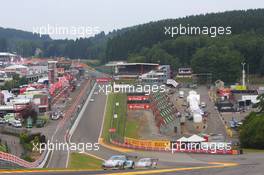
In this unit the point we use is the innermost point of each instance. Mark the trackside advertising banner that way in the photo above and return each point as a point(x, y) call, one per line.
point(137, 98)
point(103, 80)
point(138, 106)
point(153, 144)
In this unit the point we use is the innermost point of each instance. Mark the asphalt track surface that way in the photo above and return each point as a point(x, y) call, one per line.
point(88, 131)
point(58, 159)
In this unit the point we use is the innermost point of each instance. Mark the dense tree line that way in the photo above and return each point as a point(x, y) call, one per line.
point(221, 56)
point(16, 82)
point(252, 131)
point(21, 35)
point(28, 44)
point(149, 34)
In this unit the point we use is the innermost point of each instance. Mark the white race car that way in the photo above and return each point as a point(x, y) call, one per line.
point(118, 162)
point(147, 163)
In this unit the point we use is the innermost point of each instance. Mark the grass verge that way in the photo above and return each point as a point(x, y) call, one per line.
point(118, 123)
point(3, 148)
point(82, 161)
point(132, 128)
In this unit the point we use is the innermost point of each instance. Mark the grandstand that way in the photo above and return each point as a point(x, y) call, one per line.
point(165, 113)
point(130, 70)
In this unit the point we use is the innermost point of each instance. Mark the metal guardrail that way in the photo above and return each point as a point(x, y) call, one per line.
point(16, 160)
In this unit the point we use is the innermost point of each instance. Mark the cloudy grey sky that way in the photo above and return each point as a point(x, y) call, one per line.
point(106, 15)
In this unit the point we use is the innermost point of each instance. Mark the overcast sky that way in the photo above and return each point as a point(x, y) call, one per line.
point(106, 15)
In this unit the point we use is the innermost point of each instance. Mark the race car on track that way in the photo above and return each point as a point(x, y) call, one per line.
point(118, 162)
point(147, 163)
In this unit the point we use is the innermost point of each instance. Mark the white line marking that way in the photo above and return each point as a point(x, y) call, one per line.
point(102, 125)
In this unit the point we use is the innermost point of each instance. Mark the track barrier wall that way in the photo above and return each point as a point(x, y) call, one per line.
point(164, 145)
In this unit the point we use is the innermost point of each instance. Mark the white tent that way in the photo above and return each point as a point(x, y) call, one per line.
point(31, 89)
point(183, 139)
point(16, 66)
point(196, 138)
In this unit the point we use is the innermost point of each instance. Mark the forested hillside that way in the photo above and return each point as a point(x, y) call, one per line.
point(26, 44)
point(147, 35)
point(20, 41)
point(220, 55)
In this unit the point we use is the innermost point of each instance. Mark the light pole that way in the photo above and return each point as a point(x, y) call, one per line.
point(248, 74)
point(243, 74)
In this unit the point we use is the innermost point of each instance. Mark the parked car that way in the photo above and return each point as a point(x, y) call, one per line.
point(15, 123)
point(184, 104)
point(2, 121)
point(2, 113)
point(147, 163)
point(234, 123)
point(181, 94)
point(203, 104)
point(56, 115)
point(61, 114)
point(118, 162)
point(92, 100)
point(193, 86)
point(40, 123)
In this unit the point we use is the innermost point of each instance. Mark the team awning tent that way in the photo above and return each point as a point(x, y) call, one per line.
point(183, 139)
point(172, 82)
point(30, 89)
point(196, 138)
point(193, 138)
point(16, 66)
